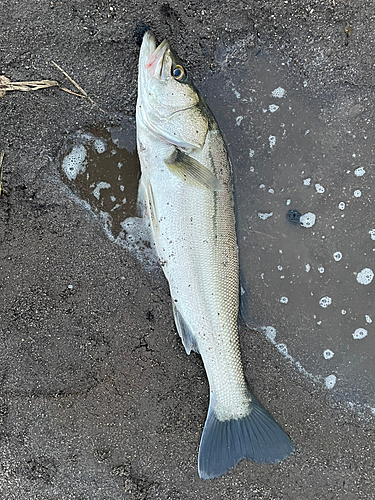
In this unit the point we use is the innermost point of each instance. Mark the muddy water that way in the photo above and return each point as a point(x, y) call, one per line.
point(304, 186)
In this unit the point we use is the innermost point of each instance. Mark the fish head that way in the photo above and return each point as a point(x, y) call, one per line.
point(168, 103)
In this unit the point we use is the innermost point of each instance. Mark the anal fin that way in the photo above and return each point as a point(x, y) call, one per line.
point(184, 331)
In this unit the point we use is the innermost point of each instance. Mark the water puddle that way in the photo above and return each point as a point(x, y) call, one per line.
point(304, 183)
point(100, 165)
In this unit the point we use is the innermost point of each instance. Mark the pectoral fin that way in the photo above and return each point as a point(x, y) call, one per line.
point(191, 171)
point(152, 213)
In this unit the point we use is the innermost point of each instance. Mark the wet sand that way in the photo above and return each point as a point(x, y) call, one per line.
point(98, 399)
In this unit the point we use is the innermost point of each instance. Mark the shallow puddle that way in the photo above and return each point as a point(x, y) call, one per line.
point(304, 184)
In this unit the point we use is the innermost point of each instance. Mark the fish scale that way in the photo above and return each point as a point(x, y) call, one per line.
point(186, 192)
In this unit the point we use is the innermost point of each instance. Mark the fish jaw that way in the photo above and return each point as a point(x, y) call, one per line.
point(151, 56)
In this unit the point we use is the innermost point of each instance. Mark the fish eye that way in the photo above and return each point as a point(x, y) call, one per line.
point(178, 73)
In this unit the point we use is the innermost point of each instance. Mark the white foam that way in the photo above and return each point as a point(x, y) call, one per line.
point(284, 300)
point(319, 188)
point(365, 276)
point(337, 256)
point(330, 381)
point(264, 216)
point(343, 312)
point(372, 234)
point(307, 181)
point(279, 92)
point(308, 219)
point(270, 332)
point(341, 205)
point(272, 140)
point(359, 171)
point(74, 163)
point(99, 186)
point(282, 348)
point(357, 193)
point(368, 319)
point(288, 202)
point(321, 269)
point(239, 120)
point(328, 354)
point(273, 107)
point(100, 146)
point(359, 334)
point(325, 301)
point(307, 268)
point(251, 153)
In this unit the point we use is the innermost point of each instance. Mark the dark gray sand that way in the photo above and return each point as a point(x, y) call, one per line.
point(98, 399)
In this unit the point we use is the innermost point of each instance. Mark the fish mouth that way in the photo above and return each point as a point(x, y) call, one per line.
point(155, 61)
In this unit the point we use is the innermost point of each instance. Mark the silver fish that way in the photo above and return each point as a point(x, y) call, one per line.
point(186, 193)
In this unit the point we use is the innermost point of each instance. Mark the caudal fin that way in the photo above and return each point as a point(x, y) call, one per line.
point(257, 437)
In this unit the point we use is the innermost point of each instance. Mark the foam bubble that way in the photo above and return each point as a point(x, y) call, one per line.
point(359, 171)
point(330, 381)
point(307, 181)
point(270, 332)
point(372, 234)
point(368, 318)
point(100, 146)
point(359, 334)
point(319, 188)
point(264, 216)
point(272, 140)
point(325, 301)
point(365, 276)
point(308, 219)
point(282, 348)
point(251, 153)
point(337, 256)
point(284, 300)
point(357, 193)
point(328, 354)
point(239, 120)
point(341, 205)
point(279, 92)
point(273, 107)
point(307, 267)
point(74, 163)
point(321, 269)
point(99, 186)
point(288, 202)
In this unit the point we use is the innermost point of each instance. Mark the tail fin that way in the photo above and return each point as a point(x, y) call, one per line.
point(257, 437)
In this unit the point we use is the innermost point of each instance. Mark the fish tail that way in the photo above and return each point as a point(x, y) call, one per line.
point(256, 436)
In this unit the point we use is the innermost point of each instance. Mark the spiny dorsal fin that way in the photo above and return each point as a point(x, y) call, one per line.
point(191, 171)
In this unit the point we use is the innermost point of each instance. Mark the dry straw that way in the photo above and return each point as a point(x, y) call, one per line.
point(6, 85)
